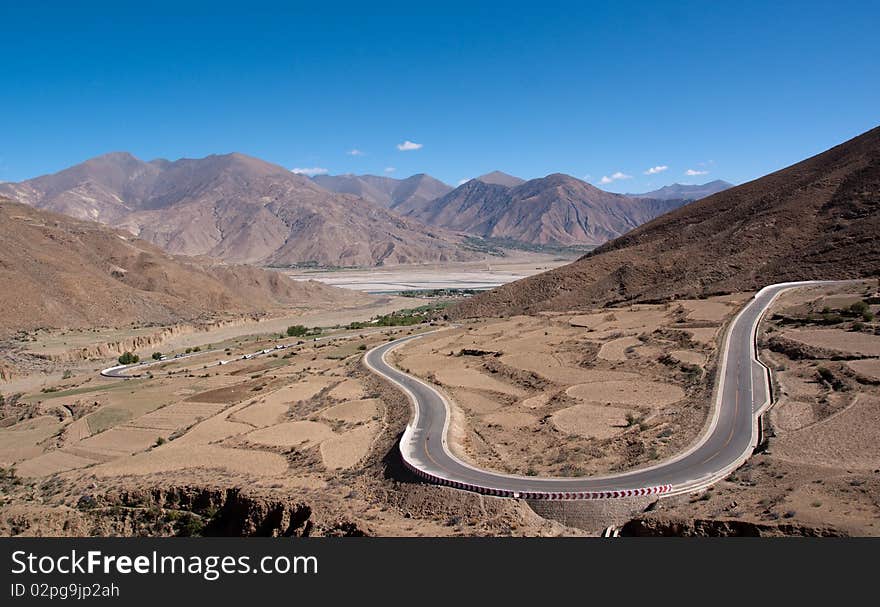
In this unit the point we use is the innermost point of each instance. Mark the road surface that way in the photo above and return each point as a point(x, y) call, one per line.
point(742, 393)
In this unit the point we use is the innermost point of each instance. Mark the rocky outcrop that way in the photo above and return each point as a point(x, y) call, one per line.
point(224, 512)
point(111, 349)
point(681, 527)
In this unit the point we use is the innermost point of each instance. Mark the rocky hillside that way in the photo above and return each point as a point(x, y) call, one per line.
point(61, 272)
point(554, 210)
point(386, 191)
point(239, 209)
point(818, 219)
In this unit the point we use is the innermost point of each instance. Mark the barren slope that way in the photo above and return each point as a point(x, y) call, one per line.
point(816, 219)
point(61, 272)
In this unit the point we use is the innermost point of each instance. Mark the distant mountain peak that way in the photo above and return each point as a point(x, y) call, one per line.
point(501, 178)
point(816, 219)
point(685, 191)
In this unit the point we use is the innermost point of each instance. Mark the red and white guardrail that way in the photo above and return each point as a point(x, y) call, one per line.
point(537, 495)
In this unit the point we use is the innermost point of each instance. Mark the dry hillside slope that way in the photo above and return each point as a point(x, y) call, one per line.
point(818, 219)
point(60, 272)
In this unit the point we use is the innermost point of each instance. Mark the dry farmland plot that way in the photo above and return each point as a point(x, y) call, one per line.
point(299, 434)
point(350, 389)
point(173, 457)
point(53, 462)
point(632, 393)
point(870, 368)
point(616, 349)
point(353, 411)
point(853, 342)
point(347, 449)
point(22, 440)
point(592, 421)
point(270, 409)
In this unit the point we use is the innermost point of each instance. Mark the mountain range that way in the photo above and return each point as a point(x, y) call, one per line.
point(61, 272)
point(553, 210)
point(817, 219)
point(244, 210)
point(237, 208)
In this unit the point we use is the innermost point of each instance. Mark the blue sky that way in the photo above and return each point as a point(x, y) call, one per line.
point(728, 90)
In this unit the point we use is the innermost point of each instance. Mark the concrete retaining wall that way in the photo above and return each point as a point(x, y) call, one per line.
point(591, 515)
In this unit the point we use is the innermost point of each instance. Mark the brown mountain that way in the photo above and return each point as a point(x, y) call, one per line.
point(386, 191)
point(62, 272)
point(236, 208)
point(557, 210)
point(683, 191)
point(501, 178)
point(818, 219)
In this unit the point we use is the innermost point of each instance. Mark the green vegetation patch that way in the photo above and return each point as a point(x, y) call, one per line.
point(106, 418)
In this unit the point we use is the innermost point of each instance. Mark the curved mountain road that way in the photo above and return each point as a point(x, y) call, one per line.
point(742, 394)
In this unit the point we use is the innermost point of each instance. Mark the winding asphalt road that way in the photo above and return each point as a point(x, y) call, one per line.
point(742, 394)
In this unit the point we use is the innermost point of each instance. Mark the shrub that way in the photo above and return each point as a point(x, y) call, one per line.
point(362, 347)
point(157, 355)
point(296, 331)
point(128, 358)
point(859, 308)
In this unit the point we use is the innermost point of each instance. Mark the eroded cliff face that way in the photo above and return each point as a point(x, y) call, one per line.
point(110, 349)
point(181, 510)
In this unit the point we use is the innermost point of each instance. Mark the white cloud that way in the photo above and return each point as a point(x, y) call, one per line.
point(693, 173)
point(311, 172)
point(355, 152)
point(408, 146)
point(390, 169)
point(614, 177)
point(657, 169)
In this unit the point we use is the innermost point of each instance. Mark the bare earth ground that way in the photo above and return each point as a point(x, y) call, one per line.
point(301, 442)
point(820, 470)
point(290, 443)
point(579, 393)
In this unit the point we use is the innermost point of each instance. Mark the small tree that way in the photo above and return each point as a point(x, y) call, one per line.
point(296, 331)
point(157, 355)
point(128, 358)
